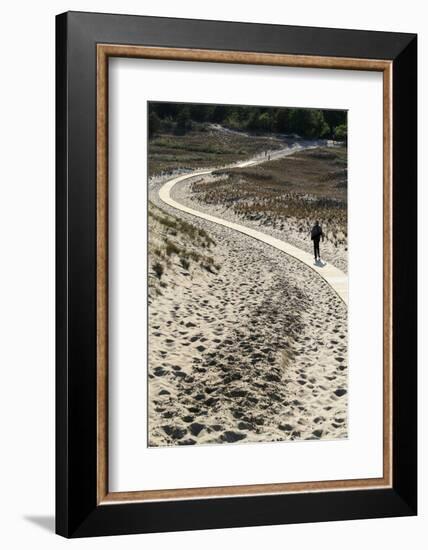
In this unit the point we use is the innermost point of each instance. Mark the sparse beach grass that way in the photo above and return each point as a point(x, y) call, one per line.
point(176, 245)
point(200, 149)
point(296, 189)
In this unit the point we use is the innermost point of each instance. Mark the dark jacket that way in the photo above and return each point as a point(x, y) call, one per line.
point(317, 233)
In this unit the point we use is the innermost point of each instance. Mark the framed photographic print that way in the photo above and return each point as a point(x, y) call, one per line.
point(236, 274)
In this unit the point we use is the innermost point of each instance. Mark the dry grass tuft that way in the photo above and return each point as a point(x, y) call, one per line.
point(176, 245)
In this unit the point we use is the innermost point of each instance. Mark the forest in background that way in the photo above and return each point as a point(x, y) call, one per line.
point(180, 118)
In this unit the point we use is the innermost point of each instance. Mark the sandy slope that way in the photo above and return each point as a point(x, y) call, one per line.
point(256, 352)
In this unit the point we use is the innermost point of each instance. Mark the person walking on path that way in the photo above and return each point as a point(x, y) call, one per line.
point(316, 234)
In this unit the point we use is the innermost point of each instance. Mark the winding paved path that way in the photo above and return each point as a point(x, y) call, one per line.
point(334, 277)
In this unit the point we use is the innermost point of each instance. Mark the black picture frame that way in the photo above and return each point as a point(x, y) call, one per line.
point(77, 511)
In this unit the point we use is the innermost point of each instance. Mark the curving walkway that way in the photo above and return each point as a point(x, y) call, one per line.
point(333, 276)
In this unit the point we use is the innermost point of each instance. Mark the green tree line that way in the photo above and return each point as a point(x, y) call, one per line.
point(307, 123)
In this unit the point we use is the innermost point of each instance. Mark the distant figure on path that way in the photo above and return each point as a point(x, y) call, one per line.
point(316, 234)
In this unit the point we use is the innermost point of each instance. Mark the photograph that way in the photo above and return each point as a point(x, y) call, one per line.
point(236, 305)
point(247, 260)
point(213, 315)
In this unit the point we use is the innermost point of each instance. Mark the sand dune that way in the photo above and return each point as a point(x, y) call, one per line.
point(254, 351)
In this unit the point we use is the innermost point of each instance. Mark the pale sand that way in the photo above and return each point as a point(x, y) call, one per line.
point(257, 352)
